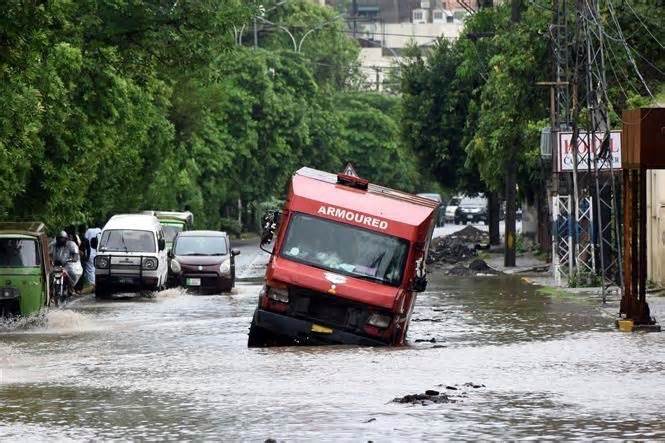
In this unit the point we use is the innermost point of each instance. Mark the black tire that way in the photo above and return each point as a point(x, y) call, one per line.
point(258, 337)
point(102, 292)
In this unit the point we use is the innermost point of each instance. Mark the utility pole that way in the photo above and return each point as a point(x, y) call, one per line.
point(509, 258)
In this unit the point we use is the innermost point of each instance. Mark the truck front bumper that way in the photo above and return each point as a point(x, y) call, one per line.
point(297, 331)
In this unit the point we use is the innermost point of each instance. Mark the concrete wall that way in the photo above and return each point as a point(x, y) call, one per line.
point(656, 226)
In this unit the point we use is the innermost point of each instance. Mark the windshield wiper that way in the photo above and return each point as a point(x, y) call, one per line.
point(122, 237)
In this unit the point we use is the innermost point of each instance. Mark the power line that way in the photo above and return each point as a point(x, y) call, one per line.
point(625, 44)
point(643, 25)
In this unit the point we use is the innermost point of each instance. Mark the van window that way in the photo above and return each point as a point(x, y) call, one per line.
point(127, 240)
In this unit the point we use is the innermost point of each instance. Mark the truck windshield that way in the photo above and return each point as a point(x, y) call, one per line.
point(126, 240)
point(208, 245)
point(345, 249)
point(170, 231)
point(18, 253)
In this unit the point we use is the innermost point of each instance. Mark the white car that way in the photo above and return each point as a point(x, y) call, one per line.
point(131, 255)
point(451, 208)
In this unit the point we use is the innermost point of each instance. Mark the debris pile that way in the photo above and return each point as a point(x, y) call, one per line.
point(428, 398)
point(432, 396)
point(476, 267)
point(459, 246)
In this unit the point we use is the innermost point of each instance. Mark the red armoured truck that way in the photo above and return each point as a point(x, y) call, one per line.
point(347, 262)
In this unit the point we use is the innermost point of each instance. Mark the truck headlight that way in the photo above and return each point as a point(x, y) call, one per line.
point(278, 294)
point(379, 320)
point(150, 263)
point(225, 267)
point(102, 262)
point(175, 266)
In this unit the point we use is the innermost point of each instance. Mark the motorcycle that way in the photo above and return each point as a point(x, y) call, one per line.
point(61, 290)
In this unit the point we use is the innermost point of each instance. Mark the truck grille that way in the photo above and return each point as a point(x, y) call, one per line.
point(327, 309)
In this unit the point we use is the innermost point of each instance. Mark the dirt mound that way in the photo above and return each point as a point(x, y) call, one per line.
point(471, 234)
point(477, 266)
point(459, 246)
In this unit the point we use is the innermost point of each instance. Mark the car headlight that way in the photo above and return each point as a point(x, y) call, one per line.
point(175, 267)
point(379, 320)
point(225, 267)
point(150, 263)
point(278, 294)
point(102, 262)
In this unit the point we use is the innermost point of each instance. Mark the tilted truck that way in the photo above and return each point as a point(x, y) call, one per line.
point(347, 261)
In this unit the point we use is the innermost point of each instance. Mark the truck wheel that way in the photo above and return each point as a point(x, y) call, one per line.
point(102, 292)
point(258, 337)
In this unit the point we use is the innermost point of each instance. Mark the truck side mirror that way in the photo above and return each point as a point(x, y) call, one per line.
point(161, 243)
point(94, 243)
point(235, 251)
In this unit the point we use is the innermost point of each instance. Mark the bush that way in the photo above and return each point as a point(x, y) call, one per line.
point(231, 226)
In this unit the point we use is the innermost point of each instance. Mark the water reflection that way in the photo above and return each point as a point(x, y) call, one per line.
point(176, 366)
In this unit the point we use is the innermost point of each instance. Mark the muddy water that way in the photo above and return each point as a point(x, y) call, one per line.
point(176, 366)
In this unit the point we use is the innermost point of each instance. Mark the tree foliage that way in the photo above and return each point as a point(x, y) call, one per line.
point(121, 105)
point(472, 108)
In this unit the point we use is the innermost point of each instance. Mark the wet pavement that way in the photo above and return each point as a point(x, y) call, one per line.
point(176, 366)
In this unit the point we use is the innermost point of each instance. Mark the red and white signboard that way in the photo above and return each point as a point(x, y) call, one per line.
point(566, 157)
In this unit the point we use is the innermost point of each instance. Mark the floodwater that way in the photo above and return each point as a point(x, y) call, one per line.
point(176, 366)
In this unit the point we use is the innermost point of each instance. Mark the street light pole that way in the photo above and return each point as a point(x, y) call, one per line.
point(316, 28)
point(283, 28)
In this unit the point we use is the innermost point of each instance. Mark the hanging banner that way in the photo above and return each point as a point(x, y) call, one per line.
point(565, 152)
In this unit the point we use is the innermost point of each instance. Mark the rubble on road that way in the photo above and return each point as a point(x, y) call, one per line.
point(428, 398)
point(476, 267)
point(459, 246)
point(433, 396)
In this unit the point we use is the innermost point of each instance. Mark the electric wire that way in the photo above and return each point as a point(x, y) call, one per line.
point(627, 48)
point(642, 23)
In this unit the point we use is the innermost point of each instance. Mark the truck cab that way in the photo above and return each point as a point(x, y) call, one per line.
point(346, 264)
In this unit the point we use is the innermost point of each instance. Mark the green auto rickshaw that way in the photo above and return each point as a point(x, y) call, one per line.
point(25, 268)
point(173, 222)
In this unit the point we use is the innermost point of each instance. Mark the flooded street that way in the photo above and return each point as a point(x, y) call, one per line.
point(177, 366)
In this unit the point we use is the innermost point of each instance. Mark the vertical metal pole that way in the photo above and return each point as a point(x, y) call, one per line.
point(625, 308)
point(644, 316)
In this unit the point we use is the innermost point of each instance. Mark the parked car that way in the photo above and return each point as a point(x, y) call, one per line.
point(131, 255)
point(472, 209)
point(203, 260)
point(451, 208)
point(440, 213)
point(25, 268)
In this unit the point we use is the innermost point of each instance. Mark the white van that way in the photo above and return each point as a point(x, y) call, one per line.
point(131, 255)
